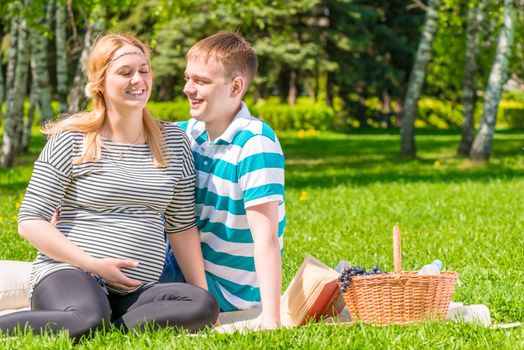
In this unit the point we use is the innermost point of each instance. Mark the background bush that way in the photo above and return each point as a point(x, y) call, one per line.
point(308, 114)
point(280, 116)
point(511, 114)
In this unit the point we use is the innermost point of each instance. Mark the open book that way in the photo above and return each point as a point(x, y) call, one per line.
point(312, 293)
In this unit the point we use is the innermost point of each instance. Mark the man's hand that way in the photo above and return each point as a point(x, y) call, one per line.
point(260, 323)
point(110, 270)
point(55, 217)
point(269, 323)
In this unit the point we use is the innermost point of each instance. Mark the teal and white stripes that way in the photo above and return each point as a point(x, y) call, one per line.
point(242, 168)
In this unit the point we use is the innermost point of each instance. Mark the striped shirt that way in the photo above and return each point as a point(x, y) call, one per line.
point(242, 168)
point(113, 207)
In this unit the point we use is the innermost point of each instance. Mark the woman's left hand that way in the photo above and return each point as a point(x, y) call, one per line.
point(110, 270)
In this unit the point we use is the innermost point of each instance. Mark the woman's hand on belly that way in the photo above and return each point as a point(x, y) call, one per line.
point(110, 270)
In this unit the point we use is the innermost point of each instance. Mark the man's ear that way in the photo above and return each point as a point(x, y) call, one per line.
point(237, 86)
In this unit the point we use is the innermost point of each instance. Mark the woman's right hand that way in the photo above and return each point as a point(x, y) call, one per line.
point(110, 269)
point(51, 242)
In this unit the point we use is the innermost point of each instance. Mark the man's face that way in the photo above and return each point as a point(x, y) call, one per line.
point(208, 90)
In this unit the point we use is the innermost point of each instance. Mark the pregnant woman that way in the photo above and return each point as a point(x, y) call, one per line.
point(121, 179)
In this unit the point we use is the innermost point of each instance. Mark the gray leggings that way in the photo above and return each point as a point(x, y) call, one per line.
point(73, 300)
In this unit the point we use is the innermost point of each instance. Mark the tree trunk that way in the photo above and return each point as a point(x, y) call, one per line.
point(40, 72)
point(481, 148)
point(362, 112)
point(416, 80)
point(386, 110)
point(292, 92)
point(165, 90)
point(283, 84)
point(15, 97)
point(469, 96)
point(2, 89)
point(310, 87)
point(33, 103)
point(330, 84)
point(95, 25)
point(257, 93)
point(316, 81)
point(261, 91)
point(11, 63)
point(399, 111)
point(61, 55)
point(49, 13)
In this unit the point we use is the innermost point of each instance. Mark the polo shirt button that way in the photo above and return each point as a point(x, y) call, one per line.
point(205, 162)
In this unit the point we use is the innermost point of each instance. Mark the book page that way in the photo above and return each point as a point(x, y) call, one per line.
point(304, 290)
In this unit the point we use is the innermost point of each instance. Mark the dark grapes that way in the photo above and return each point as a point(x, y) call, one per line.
point(348, 272)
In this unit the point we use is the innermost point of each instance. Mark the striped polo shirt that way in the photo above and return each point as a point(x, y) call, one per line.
point(113, 207)
point(243, 167)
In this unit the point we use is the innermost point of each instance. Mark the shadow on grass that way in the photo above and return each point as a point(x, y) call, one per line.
point(362, 178)
point(362, 157)
point(365, 159)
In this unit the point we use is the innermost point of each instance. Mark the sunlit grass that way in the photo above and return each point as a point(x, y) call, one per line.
point(344, 193)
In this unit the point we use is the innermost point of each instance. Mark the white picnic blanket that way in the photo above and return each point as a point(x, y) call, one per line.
point(14, 285)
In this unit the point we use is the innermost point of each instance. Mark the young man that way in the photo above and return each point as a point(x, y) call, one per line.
point(240, 179)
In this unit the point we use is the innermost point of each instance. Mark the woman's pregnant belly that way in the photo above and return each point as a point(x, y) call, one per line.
point(140, 241)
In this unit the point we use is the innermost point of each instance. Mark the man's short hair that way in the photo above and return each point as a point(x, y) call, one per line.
point(236, 55)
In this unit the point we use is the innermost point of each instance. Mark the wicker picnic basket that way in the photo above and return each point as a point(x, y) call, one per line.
point(399, 297)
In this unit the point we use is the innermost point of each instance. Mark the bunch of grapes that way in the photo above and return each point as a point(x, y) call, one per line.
point(348, 272)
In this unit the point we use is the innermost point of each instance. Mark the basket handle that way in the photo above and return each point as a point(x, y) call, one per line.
point(397, 257)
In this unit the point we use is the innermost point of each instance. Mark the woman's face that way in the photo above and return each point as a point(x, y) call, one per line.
point(128, 80)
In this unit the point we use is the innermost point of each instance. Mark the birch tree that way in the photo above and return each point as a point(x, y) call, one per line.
point(61, 54)
point(12, 52)
point(481, 148)
point(39, 69)
point(469, 94)
point(416, 80)
point(2, 90)
point(94, 26)
point(19, 61)
point(28, 123)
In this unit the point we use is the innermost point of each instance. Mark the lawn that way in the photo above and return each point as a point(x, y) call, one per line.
point(344, 193)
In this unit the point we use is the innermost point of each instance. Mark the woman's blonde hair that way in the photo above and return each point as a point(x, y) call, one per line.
point(91, 122)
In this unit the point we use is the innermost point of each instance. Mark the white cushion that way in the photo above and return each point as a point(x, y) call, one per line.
point(14, 284)
point(10, 311)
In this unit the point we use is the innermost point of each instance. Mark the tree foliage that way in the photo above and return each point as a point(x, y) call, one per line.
point(353, 55)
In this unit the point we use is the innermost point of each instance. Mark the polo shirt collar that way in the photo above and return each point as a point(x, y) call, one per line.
point(239, 123)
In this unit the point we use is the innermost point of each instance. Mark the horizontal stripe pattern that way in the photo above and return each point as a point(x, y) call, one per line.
point(226, 233)
point(114, 207)
point(241, 168)
point(232, 220)
point(218, 244)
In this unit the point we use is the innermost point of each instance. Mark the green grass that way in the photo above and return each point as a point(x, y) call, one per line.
point(344, 193)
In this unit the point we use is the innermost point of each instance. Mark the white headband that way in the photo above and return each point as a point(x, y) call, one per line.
point(136, 52)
